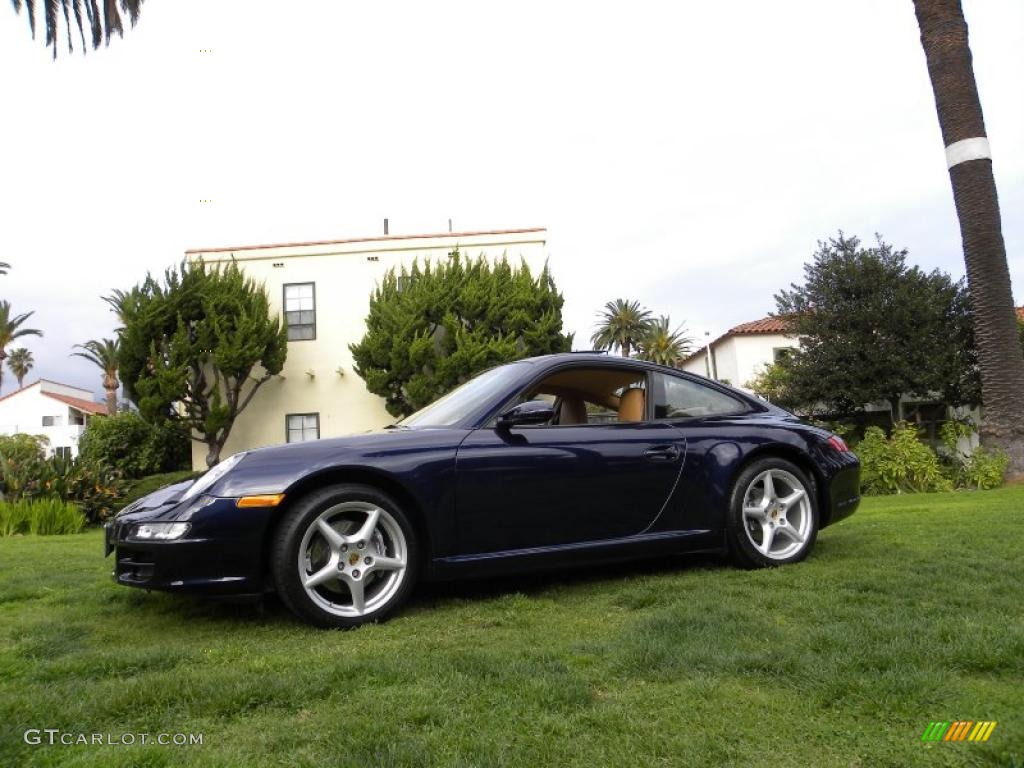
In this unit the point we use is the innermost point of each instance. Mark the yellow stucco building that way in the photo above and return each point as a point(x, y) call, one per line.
point(322, 289)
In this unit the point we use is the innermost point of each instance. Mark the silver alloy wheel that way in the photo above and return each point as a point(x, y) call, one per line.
point(777, 514)
point(352, 559)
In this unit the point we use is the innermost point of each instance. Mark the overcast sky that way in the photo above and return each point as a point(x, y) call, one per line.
point(686, 154)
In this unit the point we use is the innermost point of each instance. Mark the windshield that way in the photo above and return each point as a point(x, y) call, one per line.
point(462, 401)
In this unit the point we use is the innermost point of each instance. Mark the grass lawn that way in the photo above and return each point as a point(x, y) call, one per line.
point(911, 611)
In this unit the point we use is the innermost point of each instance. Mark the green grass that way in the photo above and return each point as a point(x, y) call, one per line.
point(146, 485)
point(910, 611)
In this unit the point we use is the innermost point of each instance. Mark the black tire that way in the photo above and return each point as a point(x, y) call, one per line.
point(743, 530)
point(324, 604)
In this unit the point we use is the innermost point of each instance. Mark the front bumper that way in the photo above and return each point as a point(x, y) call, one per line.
point(221, 554)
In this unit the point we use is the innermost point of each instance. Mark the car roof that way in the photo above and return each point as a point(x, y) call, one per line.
point(583, 356)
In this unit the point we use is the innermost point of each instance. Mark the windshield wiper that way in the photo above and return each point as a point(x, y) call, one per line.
point(396, 426)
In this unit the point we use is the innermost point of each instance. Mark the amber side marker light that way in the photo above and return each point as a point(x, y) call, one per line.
point(266, 500)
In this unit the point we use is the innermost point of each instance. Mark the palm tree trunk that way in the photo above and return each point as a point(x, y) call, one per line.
point(112, 402)
point(944, 38)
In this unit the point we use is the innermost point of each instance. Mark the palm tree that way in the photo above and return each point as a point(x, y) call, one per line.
point(948, 54)
point(99, 25)
point(10, 329)
point(104, 354)
point(623, 324)
point(664, 346)
point(20, 362)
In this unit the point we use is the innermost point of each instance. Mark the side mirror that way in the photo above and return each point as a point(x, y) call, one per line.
point(530, 412)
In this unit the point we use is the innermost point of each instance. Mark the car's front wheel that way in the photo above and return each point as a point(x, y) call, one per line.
point(773, 514)
point(344, 556)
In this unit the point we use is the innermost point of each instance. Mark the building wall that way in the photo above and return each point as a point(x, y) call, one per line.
point(23, 412)
point(318, 376)
point(738, 359)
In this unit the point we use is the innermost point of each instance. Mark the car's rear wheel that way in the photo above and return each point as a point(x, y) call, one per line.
point(773, 514)
point(344, 556)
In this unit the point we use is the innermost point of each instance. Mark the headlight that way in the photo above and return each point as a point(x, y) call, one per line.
point(158, 531)
point(212, 476)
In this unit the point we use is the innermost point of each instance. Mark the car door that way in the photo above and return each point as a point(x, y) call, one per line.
point(546, 486)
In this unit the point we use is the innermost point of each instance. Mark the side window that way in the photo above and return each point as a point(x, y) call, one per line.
point(678, 398)
point(593, 395)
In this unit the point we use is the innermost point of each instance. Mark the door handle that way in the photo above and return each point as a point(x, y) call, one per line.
point(662, 453)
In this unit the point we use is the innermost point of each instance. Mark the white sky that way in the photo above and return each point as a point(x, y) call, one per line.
point(688, 155)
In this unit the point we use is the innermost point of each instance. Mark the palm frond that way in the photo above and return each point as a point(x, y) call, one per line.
point(621, 324)
point(10, 327)
point(102, 23)
point(101, 353)
point(79, 21)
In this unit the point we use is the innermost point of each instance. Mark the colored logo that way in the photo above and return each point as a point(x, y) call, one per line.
point(959, 730)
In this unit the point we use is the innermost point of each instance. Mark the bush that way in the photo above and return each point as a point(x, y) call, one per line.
point(982, 469)
point(25, 474)
point(42, 517)
point(131, 444)
point(97, 488)
point(900, 463)
point(14, 517)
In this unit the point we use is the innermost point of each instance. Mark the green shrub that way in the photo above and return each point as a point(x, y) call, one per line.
point(25, 474)
point(982, 469)
point(21, 446)
point(900, 463)
point(96, 488)
point(137, 448)
point(42, 517)
point(51, 517)
point(14, 517)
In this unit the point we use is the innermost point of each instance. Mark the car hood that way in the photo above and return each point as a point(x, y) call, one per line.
point(275, 468)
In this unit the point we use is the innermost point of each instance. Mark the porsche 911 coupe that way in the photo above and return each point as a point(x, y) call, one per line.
point(555, 461)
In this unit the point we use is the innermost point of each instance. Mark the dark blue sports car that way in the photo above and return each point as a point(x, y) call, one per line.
point(548, 462)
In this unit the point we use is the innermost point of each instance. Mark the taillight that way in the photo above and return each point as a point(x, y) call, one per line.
point(839, 444)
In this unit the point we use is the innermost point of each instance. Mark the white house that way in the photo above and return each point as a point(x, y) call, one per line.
point(322, 291)
point(58, 412)
point(741, 353)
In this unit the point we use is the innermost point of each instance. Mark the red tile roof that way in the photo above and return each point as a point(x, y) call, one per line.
point(368, 240)
point(97, 409)
point(764, 325)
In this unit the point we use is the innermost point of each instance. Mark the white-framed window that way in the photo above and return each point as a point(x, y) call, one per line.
point(300, 311)
point(300, 427)
point(63, 451)
point(51, 421)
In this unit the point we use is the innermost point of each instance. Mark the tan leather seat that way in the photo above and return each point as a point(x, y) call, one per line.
point(631, 405)
point(573, 411)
